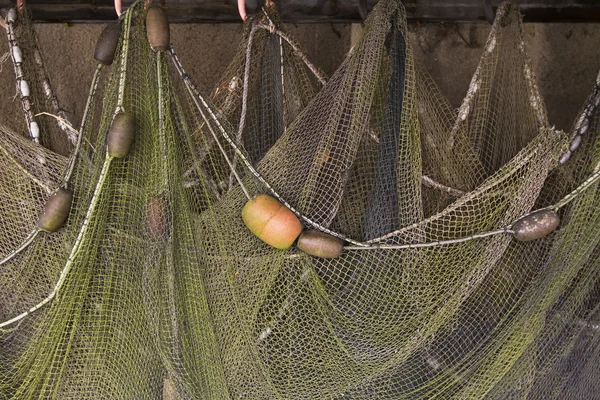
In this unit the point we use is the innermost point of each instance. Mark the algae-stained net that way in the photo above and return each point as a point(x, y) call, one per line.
point(154, 288)
point(433, 296)
point(94, 310)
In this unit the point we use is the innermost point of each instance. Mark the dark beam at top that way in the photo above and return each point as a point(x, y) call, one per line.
point(312, 11)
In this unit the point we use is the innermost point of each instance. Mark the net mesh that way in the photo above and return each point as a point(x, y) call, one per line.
point(263, 90)
point(154, 288)
point(34, 95)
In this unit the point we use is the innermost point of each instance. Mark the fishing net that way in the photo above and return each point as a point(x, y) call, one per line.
point(262, 91)
point(94, 337)
point(30, 172)
point(34, 103)
point(154, 288)
point(278, 79)
point(433, 296)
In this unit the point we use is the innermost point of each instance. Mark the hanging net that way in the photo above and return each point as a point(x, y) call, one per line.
point(441, 278)
point(278, 79)
point(102, 283)
point(433, 295)
point(34, 110)
point(30, 172)
point(264, 88)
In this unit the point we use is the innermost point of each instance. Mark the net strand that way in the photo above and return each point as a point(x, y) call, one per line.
point(28, 240)
point(86, 111)
point(195, 95)
point(26, 172)
point(271, 27)
point(62, 120)
point(583, 122)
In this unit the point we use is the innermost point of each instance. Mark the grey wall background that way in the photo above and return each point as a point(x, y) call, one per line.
point(565, 57)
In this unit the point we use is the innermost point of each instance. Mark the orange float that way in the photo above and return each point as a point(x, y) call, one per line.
point(271, 221)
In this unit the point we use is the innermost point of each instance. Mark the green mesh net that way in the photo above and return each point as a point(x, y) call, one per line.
point(155, 288)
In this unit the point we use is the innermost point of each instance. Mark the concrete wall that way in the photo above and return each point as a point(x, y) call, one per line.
point(565, 57)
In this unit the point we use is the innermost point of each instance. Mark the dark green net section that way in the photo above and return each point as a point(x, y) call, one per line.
point(157, 290)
